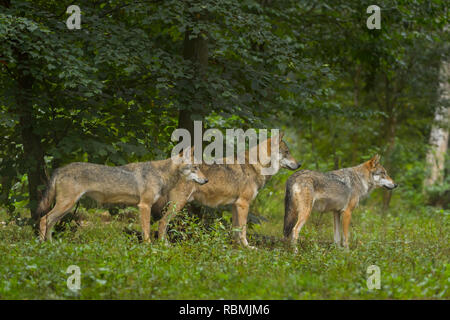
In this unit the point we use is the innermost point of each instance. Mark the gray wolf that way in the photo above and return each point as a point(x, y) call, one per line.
point(338, 191)
point(235, 184)
point(140, 183)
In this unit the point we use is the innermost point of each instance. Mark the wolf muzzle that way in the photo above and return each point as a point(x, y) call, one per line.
point(392, 188)
point(295, 166)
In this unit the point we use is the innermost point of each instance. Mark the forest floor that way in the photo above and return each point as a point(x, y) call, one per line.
point(411, 249)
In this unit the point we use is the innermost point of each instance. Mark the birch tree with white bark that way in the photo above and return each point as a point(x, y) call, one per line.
point(439, 135)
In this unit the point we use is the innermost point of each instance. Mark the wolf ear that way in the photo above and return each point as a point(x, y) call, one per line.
point(374, 161)
point(272, 139)
point(181, 154)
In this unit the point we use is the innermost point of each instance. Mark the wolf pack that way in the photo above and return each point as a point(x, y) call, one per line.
point(155, 186)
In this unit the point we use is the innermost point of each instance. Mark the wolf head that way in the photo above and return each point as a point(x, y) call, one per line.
point(276, 152)
point(193, 172)
point(378, 174)
point(188, 169)
point(287, 161)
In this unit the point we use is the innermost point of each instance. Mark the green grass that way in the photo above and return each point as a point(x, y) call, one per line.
point(411, 248)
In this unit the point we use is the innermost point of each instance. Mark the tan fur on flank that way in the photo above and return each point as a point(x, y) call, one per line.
point(235, 184)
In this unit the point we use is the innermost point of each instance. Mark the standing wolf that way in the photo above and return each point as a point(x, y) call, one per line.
point(235, 184)
point(338, 191)
point(140, 183)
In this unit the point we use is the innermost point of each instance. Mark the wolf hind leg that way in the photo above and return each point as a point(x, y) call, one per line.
point(61, 208)
point(145, 213)
point(302, 204)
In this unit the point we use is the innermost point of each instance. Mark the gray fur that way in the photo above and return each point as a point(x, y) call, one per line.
point(337, 191)
point(140, 184)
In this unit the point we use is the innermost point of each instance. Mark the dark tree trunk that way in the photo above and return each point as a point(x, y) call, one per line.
point(356, 103)
point(390, 131)
point(6, 182)
point(335, 155)
point(5, 3)
point(32, 148)
point(195, 50)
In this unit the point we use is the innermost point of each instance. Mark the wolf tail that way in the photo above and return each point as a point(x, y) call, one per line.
point(49, 196)
point(290, 217)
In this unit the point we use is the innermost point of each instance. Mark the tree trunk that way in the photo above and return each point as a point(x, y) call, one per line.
point(33, 154)
point(391, 131)
point(6, 182)
point(439, 135)
point(195, 50)
point(5, 3)
point(356, 103)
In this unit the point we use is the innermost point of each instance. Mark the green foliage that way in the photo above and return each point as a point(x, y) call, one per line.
point(409, 247)
point(112, 92)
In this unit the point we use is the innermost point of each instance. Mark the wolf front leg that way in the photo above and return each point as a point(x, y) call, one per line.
point(346, 218)
point(300, 207)
point(337, 227)
point(240, 214)
point(145, 211)
point(175, 205)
